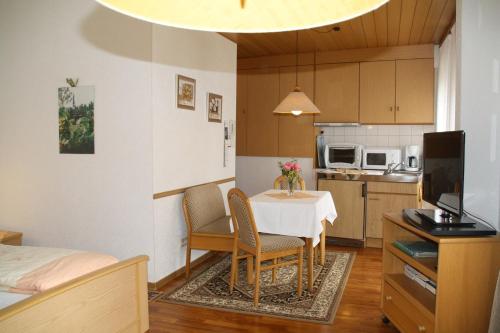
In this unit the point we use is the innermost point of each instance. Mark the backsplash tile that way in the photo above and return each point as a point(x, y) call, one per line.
point(378, 135)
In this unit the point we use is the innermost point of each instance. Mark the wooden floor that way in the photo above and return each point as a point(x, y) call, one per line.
point(359, 310)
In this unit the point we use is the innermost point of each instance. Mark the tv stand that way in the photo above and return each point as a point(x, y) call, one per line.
point(424, 220)
point(465, 271)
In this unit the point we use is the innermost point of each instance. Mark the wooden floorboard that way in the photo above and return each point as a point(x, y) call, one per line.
point(359, 310)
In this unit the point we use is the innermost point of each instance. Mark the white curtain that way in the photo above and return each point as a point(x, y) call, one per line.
point(446, 87)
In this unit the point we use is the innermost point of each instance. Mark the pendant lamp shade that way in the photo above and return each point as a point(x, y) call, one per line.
point(296, 103)
point(243, 15)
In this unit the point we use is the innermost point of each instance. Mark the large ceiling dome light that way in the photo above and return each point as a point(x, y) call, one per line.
point(240, 16)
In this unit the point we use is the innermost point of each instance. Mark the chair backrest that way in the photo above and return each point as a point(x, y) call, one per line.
point(281, 183)
point(242, 217)
point(203, 204)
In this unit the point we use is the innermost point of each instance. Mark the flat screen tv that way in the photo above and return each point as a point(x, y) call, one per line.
point(443, 170)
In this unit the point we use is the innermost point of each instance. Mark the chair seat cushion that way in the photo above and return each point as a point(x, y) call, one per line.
point(219, 226)
point(271, 243)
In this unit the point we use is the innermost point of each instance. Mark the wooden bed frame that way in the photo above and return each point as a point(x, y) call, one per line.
point(112, 299)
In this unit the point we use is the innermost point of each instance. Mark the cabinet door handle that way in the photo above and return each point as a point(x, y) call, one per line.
point(390, 108)
point(388, 298)
point(421, 328)
point(397, 108)
point(374, 199)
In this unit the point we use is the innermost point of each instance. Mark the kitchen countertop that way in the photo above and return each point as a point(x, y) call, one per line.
point(369, 176)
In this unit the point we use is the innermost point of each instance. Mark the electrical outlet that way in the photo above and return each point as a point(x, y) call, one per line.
point(184, 242)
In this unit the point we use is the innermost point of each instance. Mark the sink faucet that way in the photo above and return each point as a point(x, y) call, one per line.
point(391, 167)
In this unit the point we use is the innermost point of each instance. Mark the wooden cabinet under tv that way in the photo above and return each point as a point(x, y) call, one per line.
point(465, 271)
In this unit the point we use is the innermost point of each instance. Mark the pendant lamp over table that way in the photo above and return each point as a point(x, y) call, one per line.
point(296, 102)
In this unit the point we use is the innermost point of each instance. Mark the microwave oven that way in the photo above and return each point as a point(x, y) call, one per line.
point(343, 155)
point(380, 158)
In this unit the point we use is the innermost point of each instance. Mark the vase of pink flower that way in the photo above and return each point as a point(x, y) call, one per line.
point(291, 170)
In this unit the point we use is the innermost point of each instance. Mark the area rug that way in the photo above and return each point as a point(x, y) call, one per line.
point(210, 289)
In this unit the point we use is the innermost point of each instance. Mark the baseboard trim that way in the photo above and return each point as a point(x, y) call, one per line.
point(197, 262)
point(344, 241)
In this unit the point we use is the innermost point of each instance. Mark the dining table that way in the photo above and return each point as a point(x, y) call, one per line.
point(302, 214)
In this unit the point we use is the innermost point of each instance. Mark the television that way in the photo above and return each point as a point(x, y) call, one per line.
point(443, 171)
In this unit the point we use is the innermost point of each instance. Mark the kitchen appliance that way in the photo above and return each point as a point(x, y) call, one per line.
point(412, 158)
point(381, 158)
point(343, 155)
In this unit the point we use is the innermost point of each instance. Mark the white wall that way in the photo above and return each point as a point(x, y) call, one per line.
point(99, 202)
point(143, 143)
point(478, 104)
point(187, 149)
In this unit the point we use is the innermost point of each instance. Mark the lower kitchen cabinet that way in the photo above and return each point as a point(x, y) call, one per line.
point(386, 197)
point(350, 203)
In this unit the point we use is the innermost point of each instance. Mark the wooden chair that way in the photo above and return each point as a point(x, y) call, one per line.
point(261, 246)
point(208, 227)
point(281, 183)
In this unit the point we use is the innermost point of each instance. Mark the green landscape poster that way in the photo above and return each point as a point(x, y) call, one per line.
point(76, 120)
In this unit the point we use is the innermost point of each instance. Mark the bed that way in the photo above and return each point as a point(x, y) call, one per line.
point(110, 299)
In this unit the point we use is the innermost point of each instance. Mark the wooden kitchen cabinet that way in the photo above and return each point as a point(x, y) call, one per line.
point(241, 111)
point(377, 92)
point(349, 202)
point(296, 134)
point(262, 124)
point(415, 91)
point(337, 93)
point(387, 197)
point(397, 92)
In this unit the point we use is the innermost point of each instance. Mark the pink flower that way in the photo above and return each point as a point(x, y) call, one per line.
point(287, 166)
point(296, 167)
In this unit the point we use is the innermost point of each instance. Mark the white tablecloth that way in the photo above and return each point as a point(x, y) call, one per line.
point(293, 217)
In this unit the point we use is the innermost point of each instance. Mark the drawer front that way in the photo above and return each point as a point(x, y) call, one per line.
point(393, 188)
point(404, 314)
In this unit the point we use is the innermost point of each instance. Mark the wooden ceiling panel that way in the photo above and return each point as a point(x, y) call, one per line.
point(419, 19)
point(358, 32)
point(369, 29)
point(381, 25)
point(397, 23)
point(393, 22)
point(445, 22)
point(433, 18)
point(406, 22)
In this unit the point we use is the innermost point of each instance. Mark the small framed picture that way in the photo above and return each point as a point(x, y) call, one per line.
point(186, 92)
point(214, 105)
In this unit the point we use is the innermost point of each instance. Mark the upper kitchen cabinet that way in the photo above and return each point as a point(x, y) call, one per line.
point(415, 91)
point(262, 125)
point(241, 111)
point(397, 92)
point(337, 93)
point(296, 134)
point(377, 92)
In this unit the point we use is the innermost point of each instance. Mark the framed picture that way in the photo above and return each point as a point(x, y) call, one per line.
point(186, 92)
point(76, 120)
point(214, 107)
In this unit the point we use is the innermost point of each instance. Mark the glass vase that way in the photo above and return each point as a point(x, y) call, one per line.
point(291, 187)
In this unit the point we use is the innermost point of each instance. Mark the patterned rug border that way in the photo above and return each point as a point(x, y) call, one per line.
point(332, 310)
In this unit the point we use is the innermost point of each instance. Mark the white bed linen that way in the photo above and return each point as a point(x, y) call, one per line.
point(17, 261)
point(7, 299)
